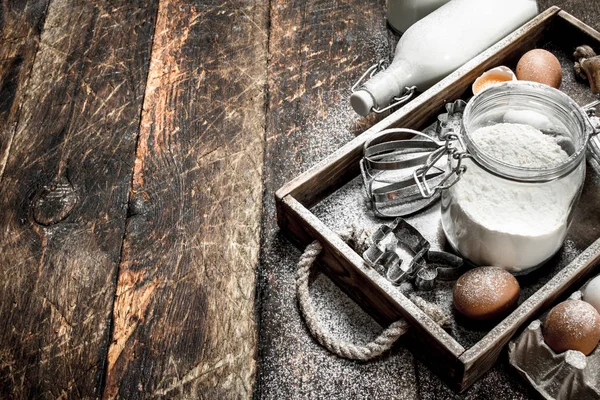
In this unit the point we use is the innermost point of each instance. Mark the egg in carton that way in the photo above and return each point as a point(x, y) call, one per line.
point(568, 375)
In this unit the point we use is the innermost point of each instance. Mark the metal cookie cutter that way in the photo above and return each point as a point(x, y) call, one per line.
point(424, 268)
point(390, 160)
point(440, 266)
point(451, 120)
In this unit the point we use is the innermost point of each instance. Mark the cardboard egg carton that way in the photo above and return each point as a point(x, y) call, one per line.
point(564, 376)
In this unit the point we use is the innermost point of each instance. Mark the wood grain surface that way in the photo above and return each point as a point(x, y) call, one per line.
point(64, 195)
point(317, 48)
point(141, 143)
point(20, 29)
point(184, 312)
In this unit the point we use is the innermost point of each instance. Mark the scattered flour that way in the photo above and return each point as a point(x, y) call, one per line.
point(493, 221)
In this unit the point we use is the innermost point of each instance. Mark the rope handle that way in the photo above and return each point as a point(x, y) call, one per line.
point(341, 348)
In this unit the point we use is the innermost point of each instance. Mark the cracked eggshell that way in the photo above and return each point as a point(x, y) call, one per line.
point(493, 77)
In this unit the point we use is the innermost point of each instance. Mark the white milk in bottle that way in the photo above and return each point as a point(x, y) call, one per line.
point(440, 43)
point(401, 14)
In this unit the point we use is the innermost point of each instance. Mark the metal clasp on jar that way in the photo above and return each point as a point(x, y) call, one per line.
point(590, 113)
point(456, 151)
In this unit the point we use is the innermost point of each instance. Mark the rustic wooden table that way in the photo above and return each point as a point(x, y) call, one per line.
point(141, 143)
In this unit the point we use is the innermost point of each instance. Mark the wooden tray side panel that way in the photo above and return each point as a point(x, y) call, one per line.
point(567, 30)
point(332, 261)
point(342, 166)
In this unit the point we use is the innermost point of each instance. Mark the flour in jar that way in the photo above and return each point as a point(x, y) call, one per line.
point(515, 225)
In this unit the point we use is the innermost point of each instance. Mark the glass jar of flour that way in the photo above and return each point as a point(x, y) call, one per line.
point(519, 167)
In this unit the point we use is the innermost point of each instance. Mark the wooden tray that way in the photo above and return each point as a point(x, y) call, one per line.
point(459, 364)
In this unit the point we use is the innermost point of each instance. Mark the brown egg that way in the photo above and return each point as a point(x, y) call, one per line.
point(541, 66)
point(572, 325)
point(486, 293)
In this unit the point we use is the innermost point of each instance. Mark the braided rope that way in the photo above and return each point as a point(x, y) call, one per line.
point(360, 240)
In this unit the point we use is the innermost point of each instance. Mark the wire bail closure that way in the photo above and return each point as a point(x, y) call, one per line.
point(396, 101)
point(456, 151)
point(425, 174)
point(402, 168)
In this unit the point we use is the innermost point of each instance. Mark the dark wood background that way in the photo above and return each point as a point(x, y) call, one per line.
point(141, 143)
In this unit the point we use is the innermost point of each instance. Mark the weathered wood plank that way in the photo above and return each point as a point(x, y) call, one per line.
point(20, 29)
point(64, 194)
point(318, 48)
point(184, 313)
